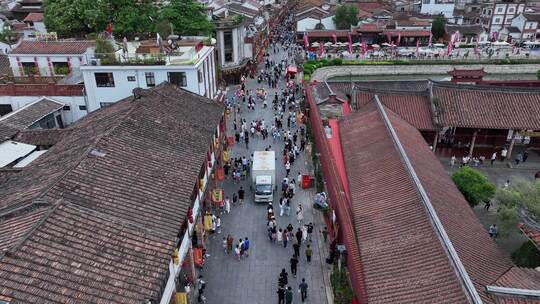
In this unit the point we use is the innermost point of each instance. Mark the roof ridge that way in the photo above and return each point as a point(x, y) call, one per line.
point(480, 87)
point(451, 252)
point(30, 231)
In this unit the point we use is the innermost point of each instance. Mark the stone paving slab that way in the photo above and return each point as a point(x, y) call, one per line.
point(254, 280)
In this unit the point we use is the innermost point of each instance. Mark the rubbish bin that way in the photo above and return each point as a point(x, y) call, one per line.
point(307, 181)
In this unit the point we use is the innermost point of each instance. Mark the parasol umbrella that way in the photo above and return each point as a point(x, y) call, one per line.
point(315, 44)
point(375, 46)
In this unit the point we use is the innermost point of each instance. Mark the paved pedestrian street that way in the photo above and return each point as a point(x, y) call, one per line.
point(254, 279)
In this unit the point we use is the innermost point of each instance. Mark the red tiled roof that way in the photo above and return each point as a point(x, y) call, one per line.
point(42, 137)
point(519, 277)
point(52, 47)
point(467, 73)
point(415, 109)
point(326, 33)
point(402, 257)
point(77, 255)
point(408, 33)
point(531, 233)
point(393, 226)
point(371, 27)
point(488, 107)
point(13, 228)
point(34, 17)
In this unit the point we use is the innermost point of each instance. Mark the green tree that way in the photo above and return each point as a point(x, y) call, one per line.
point(187, 17)
point(474, 186)
point(133, 17)
point(437, 27)
point(75, 18)
point(346, 15)
point(522, 195)
point(105, 51)
point(527, 255)
point(538, 74)
point(7, 36)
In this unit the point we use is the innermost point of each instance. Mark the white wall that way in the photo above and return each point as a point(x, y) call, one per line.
point(69, 117)
point(124, 88)
point(75, 60)
point(435, 9)
point(310, 23)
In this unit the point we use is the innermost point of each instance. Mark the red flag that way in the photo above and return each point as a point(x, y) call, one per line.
point(430, 38)
point(364, 48)
point(109, 28)
point(306, 41)
point(321, 49)
point(398, 39)
point(350, 43)
point(334, 38)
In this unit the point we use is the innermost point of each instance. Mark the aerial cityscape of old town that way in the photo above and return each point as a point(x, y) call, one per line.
point(269, 151)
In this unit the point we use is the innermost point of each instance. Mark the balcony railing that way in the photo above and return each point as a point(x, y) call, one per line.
point(174, 58)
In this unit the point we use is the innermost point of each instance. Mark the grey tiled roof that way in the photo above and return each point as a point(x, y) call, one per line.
point(118, 186)
point(23, 118)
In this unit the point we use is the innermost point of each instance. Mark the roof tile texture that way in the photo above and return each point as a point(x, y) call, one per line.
point(53, 47)
point(402, 256)
point(19, 120)
point(488, 108)
point(78, 255)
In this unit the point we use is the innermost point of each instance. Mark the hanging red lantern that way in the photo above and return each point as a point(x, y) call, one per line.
point(190, 215)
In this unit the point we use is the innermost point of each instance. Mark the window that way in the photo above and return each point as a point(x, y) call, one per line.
point(131, 78)
point(60, 68)
point(497, 20)
point(511, 10)
point(30, 68)
point(228, 45)
point(150, 79)
point(177, 78)
point(66, 108)
point(499, 10)
point(104, 80)
point(82, 108)
point(5, 109)
point(200, 76)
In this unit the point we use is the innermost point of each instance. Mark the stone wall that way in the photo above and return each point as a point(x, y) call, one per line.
point(323, 74)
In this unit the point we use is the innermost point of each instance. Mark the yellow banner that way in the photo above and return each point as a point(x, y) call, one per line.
point(217, 195)
point(207, 222)
point(181, 298)
point(530, 134)
point(226, 155)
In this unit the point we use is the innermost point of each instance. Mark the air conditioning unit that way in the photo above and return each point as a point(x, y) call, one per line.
point(95, 61)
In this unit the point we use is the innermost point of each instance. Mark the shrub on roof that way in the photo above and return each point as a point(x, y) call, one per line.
point(474, 186)
point(527, 255)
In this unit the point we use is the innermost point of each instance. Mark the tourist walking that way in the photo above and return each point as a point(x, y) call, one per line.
point(246, 245)
point(289, 295)
point(241, 193)
point(281, 294)
point(309, 253)
point(299, 214)
point(293, 262)
point(230, 240)
point(303, 289)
